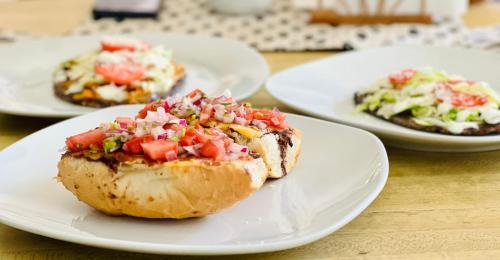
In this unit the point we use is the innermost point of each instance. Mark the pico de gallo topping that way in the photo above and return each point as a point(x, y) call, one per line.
point(123, 70)
point(197, 107)
point(433, 98)
point(176, 128)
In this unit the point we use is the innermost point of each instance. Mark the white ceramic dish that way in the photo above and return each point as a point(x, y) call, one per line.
point(212, 64)
point(326, 87)
point(340, 172)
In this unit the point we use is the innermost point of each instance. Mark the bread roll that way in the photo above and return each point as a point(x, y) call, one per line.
point(280, 150)
point(176, 189)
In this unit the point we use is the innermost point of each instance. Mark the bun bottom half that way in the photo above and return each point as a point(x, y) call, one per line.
point(177, 189)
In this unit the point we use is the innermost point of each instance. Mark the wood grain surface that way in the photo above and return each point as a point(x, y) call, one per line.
point(435, 205)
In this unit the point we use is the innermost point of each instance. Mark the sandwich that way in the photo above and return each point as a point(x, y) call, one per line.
point(179, 157)
point(122, 71)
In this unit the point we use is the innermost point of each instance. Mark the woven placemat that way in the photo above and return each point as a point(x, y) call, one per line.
point(286, 28)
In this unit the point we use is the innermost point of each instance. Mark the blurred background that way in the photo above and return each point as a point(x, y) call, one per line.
point(279, 25)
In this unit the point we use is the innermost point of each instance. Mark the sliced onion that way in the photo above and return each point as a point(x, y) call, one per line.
point(227, 93)
point(114, 148)
point(192, 150)
point(219, 112)
point(242, 110)
point(259, 123)
point(236, 148)
point(240, 121)
point(157, 131)
point(166, 106)
point(232, 156)
point(170, 133)
point(161, 114)
point(171, 155)
point(228, 118)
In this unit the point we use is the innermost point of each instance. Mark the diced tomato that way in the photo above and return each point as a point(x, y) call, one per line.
point(206, 113)
point(125, 122)
point(120, 73)
point(189, 138)
point(153, 106)
point(262, 114)
point(194, 93)
point(134, 145)
point(272, 118)
point(174, 127)
point(196, 96)
point(444, 93)
point(213, 149)
point(117, 44)
point(247, 113)
point(454, 81)
point(83, 141)
point(401, 78)
point(158, 149)
point(192, 137)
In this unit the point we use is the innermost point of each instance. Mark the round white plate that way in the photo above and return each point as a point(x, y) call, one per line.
point(326, 87)
point(212, 64)
point(339, 173)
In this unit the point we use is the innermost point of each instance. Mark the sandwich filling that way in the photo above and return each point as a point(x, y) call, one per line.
point(179, 127)
point(432, 100)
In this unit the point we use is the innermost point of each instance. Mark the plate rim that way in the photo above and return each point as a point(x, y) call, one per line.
point(157, 248)
point(416, 135)
point(259, 59)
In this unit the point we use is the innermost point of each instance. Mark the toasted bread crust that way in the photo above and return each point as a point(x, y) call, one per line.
point(177, 189)
point(60, 88)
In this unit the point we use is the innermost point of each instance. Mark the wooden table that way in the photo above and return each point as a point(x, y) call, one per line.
point(434, 204)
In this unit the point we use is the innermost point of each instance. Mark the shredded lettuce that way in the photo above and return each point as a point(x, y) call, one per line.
point(425, 76)
point(451, 115)
point(418, 98)
point(421, 111)
point(473, 116)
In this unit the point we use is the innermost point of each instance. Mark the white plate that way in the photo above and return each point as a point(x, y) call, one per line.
point(325, 88)
point(340, 172)
point(212, 64)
